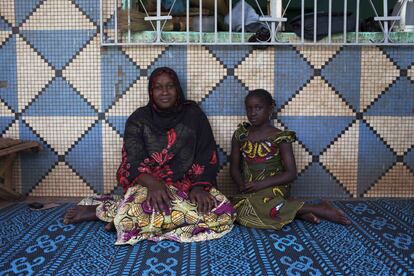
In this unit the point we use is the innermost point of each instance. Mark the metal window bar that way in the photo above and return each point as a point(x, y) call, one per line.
point(272, 19)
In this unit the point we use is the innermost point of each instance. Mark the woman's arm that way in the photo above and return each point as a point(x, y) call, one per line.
point(134, 153)
point(235, 168)
point(286, 176)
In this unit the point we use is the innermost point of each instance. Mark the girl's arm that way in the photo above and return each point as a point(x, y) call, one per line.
point(286, 176)
point(235, 168)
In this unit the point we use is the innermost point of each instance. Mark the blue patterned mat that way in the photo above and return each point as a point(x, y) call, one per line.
point(379, 242)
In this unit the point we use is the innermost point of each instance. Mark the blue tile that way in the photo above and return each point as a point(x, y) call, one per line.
point(230, 56)
point(91, 8)
point(23, 9)
point(8, 72)
point(374, 158)
point(86, 158)
point(174, 57)
point(34, 166)
point(59, 99)
point(58, 46)
point(118, 122)
point(403, 56)
point(344, 73)
point(4, 26)
point(5, 121)
point(316, 132)
point(118, 73)
point(226, 100)
point(409, 158)
point(325, 184)
point(397, 101)
point(222, 156)
point(291, 73)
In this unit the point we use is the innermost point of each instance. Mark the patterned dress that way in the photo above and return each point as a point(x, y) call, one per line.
point(268, 208)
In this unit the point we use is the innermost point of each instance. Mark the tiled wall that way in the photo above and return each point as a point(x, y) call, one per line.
point(351, 107)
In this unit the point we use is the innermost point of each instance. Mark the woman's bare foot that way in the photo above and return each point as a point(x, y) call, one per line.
point(79, 214)
point(310, 217)
point(110, 226)
point(326, 211)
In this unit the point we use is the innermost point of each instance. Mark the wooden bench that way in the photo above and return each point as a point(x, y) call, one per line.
point(9, 148)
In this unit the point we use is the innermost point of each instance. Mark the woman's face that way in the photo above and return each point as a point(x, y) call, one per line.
point(164, 92)
point(257, 111)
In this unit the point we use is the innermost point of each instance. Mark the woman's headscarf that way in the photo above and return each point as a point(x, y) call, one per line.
point(162, 119)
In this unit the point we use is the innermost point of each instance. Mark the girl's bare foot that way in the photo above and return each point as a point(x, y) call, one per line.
point(326, 211)
point(310, 217)
point(79, 214)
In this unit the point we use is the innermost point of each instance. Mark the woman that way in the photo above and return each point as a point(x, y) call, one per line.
point(168, 170)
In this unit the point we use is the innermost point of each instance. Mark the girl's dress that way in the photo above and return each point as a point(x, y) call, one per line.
point(268, 208)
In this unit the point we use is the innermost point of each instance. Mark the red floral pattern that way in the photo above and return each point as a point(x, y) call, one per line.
point(157, 166)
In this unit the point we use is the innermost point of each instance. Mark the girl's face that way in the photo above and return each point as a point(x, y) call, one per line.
point(164, 92)
point(258, 112)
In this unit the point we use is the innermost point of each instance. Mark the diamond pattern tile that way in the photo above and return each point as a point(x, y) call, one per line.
point(316, 132)
point(397, 182)
point(396, 101)
point(52, 184)
point(89, 7)
point(111, 147)
point(403, 57)
point(23, 10)
point(84, 73)
point(409, 159)
point(343, 73)
point(8, 73)
point(34, 166)
point(318, 56)
point(302, 157)
point(327, 186)
point(7, 10)
point(198, 83)
point(341, 158)
point(144, 60)
point(118, 73)
point(256, 70)
point(86, 158)
point(226, 99)
point(4, 35)
point(316, 99)
point(33, 73)
point(6, 117)
point(374, 158)
point(377, 74)
point(57, 15)
point(225, 183)
point(174, 57)
point(396, 131)
point(67, 43)
point(230, 58)
point(223, 128)
point(291, 73)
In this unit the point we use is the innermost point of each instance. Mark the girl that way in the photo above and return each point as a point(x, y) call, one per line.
point(263, 165)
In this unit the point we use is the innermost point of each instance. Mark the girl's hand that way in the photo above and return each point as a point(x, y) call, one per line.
point(158, 197)
point(251, 187)
point(203, 199)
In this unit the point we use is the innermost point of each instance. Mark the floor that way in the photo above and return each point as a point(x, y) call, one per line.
point(379, 242)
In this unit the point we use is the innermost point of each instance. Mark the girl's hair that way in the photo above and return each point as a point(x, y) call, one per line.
point(262, 94)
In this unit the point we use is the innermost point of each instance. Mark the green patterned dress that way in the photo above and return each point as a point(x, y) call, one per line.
point(268, 208)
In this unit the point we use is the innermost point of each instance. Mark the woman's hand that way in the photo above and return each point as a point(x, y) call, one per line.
point(203, 199)
point(158, 197)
